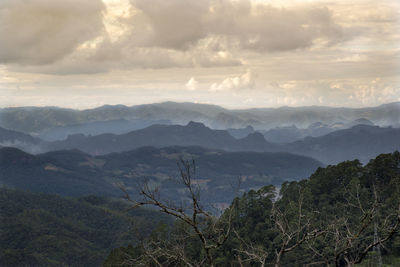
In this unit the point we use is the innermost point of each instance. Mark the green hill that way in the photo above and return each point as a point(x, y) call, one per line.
point(74, 173)
point(343, 215)
point(49, 230)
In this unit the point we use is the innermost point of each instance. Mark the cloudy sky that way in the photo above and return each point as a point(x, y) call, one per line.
point(234, 53)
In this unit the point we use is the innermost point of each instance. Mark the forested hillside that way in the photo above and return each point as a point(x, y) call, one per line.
point(74, 173)
point(49, 230)
point(341, 216)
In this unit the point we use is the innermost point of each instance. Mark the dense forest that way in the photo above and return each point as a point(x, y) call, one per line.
point(74, 173)
point(48, 230)
point(343, 215)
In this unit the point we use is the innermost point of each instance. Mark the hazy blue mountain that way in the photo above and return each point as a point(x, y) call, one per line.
point(360, 121)
point(98, 127)
point(288, 134)
point(285, 134)
point(14, 136)
point(206, 109)
point(39, 119)
point(19, 140)
point(241, 132)
point(226, 120)
point(361, 142)
point(319, 129)
point(74, 173)
point(192, 134)
point(302, 117)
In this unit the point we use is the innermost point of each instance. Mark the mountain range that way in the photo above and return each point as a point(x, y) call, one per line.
point(36, 120)
point(362, 142)
point(74, 173)
point(97, 128)
point(192, 134)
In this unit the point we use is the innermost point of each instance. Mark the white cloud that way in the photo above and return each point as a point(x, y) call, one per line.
point(192, 84)
point(244, 81)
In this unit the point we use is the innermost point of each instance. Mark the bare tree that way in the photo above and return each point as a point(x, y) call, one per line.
point(355, 232)
point(295, 227)
point(248, 252)
point(344, 235)
point(210, 231)
point(164, 251)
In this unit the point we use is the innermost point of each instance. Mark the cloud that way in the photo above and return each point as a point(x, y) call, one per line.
point(244, 81)
point(44, 31)
point(171, 24)
point(183, 34)
point(192, 84)
point(377, 90)
point(164, 34)
point(180, 24)
point(68, 37)
point(353, 58)
point(123, 55)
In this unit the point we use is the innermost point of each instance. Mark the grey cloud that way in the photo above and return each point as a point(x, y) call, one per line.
point(43, 31)
point(163, 58)
point(181, 24)
point(208, 33)
point(171, 24)
point(158, 34)
point(123, 55)
point(111, 56)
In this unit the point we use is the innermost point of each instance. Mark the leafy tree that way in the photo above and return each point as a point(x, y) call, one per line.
point(342, 215)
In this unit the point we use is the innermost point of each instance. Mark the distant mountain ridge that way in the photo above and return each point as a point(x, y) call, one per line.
point(362, 142)
point(193, 134)
point(38, 119)
point(19, 140)
point(292, 133)
point(74, 173)
point(14, 136)
point(98, 127)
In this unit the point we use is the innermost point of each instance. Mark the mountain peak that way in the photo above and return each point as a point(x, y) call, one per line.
point(194, 124)
point(363, 121)
point(256, 136)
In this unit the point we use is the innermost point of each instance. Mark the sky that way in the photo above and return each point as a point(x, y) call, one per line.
point(233, 53)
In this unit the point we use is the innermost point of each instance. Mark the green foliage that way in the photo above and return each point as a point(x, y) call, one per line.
point(334, 218)
point(335, 200)
point(49, 230)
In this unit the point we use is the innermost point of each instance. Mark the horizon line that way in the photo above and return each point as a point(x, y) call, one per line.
point(198, 103)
